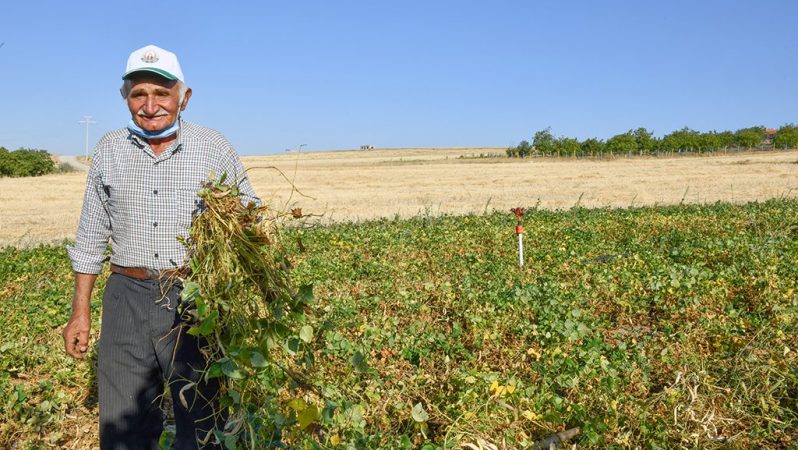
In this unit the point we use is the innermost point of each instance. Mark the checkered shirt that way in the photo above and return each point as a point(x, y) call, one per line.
point(143, 202)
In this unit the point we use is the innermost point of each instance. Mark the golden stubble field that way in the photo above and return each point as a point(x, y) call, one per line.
point(362, 185)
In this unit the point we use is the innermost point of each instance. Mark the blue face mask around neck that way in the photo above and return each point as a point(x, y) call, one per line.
point(160, 134)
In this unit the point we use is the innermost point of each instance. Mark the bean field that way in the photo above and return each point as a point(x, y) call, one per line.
point(643, 327)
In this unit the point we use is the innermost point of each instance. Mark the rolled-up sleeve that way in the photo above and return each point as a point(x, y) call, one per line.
point(88, 253)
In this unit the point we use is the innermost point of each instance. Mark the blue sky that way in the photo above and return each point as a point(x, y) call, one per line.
point(335, 75)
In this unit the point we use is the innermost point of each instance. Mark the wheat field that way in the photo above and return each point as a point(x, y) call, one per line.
point(340, 186)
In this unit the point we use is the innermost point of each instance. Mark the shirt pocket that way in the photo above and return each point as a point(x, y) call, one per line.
point(188, 204)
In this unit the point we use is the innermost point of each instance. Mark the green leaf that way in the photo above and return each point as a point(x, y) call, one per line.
point(306, 333)
point(230, 370)
point(304, 294)
point(298, 404)
point(292, 344)
point(215, 370)
point(193, 264)
point(230, 441)
point(359, 362)
point(190, 291)
point(205, 327)
point(256, 359)
point(307, 416)
point(166, 439)
point(329, 410)
point(419, 413)
point(308, 359)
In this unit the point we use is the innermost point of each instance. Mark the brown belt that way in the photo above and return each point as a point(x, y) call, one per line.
point(145, 273)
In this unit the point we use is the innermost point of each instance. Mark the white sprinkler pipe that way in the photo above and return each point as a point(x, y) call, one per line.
point(519, 230)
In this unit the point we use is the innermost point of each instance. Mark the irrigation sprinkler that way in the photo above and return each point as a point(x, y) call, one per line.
point(519, 230)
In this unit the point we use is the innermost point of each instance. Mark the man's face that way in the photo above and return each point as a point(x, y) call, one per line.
point(154, 101)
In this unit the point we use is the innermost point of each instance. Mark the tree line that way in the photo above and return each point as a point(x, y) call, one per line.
point(643, 142)
point(26, 162)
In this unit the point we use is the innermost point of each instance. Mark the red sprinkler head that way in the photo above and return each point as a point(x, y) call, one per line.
point(519, 212)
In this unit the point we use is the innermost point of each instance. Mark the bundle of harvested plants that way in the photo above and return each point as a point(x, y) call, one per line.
point(239, 298)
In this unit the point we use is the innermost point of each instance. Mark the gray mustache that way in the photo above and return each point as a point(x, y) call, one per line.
point(159, 113)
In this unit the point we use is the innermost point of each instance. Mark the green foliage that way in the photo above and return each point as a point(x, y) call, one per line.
point(544, 142)
point(42, 389)
point(522, 150)
point(726, 139)
point(622, 144)
point(709, 142)
point(567, 146)
point(25, 163)
point(671, 327)
point(787, 137)
point(750, 137)
point(240, 298)
point(641, 141)
point(592, 147)
point(645, 140)
point(616, 319)
point(682, 140)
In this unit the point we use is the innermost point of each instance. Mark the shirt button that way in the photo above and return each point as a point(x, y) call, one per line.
point(155, 224)
point(155, 192)
point(156, 255)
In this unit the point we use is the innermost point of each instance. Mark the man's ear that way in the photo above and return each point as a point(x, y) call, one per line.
point(185, 99)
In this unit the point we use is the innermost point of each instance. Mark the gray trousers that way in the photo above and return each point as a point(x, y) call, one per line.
point(142, 346)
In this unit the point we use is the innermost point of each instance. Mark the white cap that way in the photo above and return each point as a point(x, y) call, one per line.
point(154, 59)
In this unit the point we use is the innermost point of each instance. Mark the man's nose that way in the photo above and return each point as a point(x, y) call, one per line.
point(151, 105)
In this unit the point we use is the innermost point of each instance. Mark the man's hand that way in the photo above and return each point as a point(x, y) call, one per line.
point(76, 335)
point(76, 332)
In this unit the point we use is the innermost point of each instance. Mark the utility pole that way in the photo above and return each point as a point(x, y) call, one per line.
point(87, 120)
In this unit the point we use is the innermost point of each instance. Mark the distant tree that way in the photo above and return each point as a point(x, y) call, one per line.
point(524, 149)
point(5, 163)
point(750, 137)
point(26, 162)
point(568, 146)
point(787, 137)
point(644, 139)
point(709, 142)
point(682, 140)
point(512, 152)
point(622, 144)
point(592, 147)
point(726, 139)
point(544, 142)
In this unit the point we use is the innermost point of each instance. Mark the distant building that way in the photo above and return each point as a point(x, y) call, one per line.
point(367, 147)
point(770, 134)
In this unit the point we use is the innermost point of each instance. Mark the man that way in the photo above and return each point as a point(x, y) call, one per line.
point(141, 193)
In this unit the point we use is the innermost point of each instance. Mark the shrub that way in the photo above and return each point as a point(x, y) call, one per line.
point(25, 162)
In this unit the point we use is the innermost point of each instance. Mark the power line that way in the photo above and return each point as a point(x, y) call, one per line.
point(87, 120)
